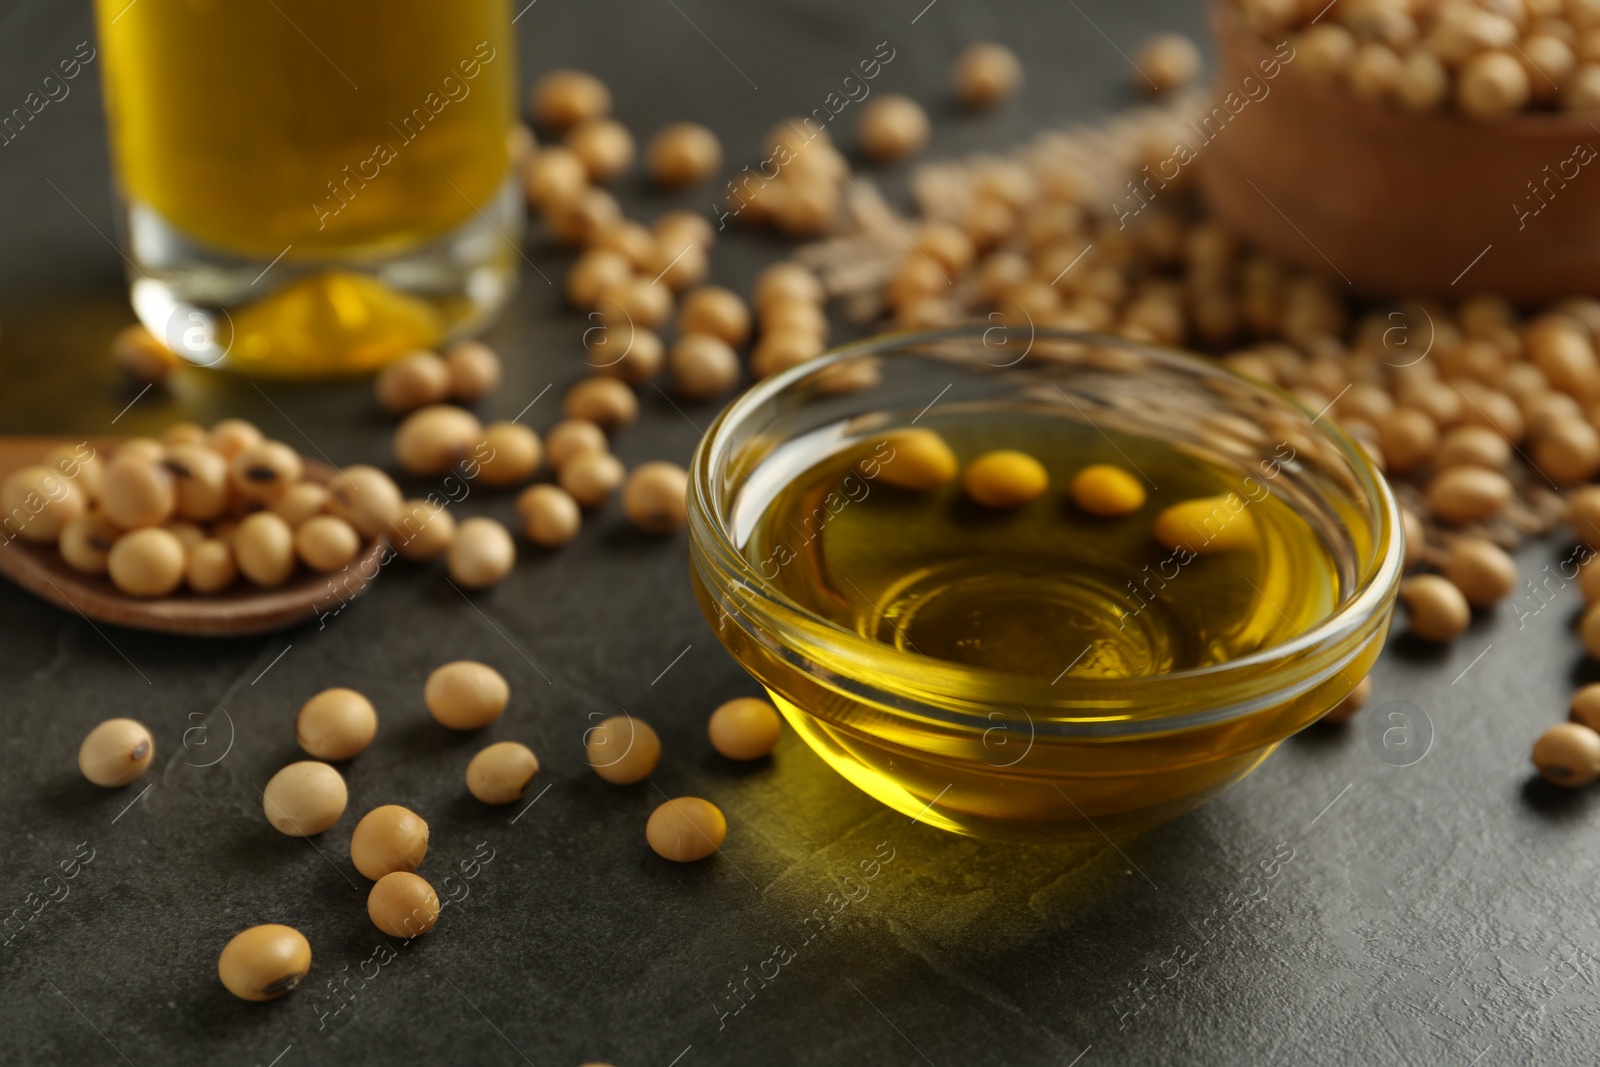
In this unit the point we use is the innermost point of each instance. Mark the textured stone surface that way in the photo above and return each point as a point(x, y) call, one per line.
point(1437, 913)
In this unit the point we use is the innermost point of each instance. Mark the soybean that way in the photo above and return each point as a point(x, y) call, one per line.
point(572, 437)
point(1107, 490)
point(622, 749)
point(72, 462)
point(199, 481)
point(265, 471)
point(326, 543)
point(639, 361)
point(716, 311)
point(388, 839)
point(550, 516)
point(1466, 494)
point(1408, 438)
point(85, 543)
point(985, 74)
point(1482, 570)
point(481, 553)
point(684, 153)
point(640, 301)
point(1167, 61)
point(606, 402)
point(264, 962)
point(1437, 609)
point(1473, 446)
point(263, 547)
point(187, 533)
point(1589, 630)
point(786, 281)
point(745, 728)
point(604, 146)
point(1416, 537)
point(1208, 525)
point(403, 904)
point(686, 226)
point(433, 439)
point(466, 695)
point(703, 366)
point(300, 503)
point(211, 566)
point(135, 491)
point(424, 530)
point(232, 436)
point(145, 359)
point(500, 773)
point(686, 829)
point(1493, 85)
point(655, 497)
point(147, 562)
point(777, 352)
point(1568, 754)
point(1567, 451)
point(508, 455)
point(304, 798)
point(146, 448)
point(116, 752)
point(1589, 582)
point(678, 263)
point(578, 221)
point(796, 317)
point(591, 477)
point(47, 499)
point(595, 271)
point(1585, 707)
point(336, 724)
point(917, 459)
point(892, 127)
point(1005, 479)
point(412, 382)
point(366, 498)
point(1583, 514)
point(564, 98)
point(555, 176)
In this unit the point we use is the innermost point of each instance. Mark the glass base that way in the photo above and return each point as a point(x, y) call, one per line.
point(328, 316)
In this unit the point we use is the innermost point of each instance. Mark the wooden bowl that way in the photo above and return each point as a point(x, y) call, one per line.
point(1398, 204)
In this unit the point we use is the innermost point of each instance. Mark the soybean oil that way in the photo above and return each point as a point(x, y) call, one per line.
point(306, 127)
point(1046, 590)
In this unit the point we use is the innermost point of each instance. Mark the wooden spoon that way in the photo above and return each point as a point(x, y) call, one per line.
point(240, 609)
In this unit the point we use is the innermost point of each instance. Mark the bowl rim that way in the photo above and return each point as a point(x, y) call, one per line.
point(709, 531)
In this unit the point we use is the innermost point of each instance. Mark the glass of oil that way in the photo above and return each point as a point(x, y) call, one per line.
point(312, 189)
point(1040, 672)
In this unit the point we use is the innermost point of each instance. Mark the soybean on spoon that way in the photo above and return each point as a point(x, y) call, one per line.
point(242, 609)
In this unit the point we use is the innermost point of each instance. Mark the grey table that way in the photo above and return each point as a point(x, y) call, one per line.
point(1336, 907)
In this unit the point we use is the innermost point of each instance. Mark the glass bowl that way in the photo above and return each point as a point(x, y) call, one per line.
point(1015, 756)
